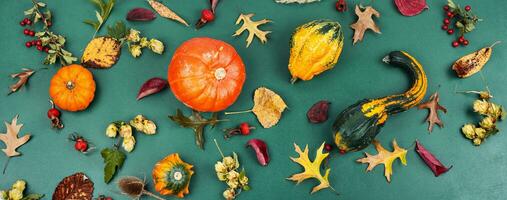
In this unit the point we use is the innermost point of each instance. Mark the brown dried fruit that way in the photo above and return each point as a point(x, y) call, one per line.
point(76, 186)
point(472, 63)
point(318, 113)
point(101, 52)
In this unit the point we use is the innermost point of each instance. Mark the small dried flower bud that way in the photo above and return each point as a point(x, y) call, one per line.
point(494, 110)
point(156, 46)
point(229, 194)
point(3, 195)
point(220, 167)
point(144, 42)
point(222, 176)
point(243, 180)
point(111, 130)
point(481, 106)
point(19, 185)
point(233, 176)
point(135, 50)
point(229, 162)
point(15, 194)
point(468, 131)
point(480, 132)
point(485, 95)
point(477, 141)
point(133, 35)
point(233, 184)
point(128, 143)
point(125, 130)
point(488, 123)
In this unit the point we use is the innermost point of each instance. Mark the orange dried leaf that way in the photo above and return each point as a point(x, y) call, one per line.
point(433, 106)
point(364, 22)
point(385, 157)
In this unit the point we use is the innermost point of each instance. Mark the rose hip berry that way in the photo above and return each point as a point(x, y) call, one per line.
point(468, 8)
point(207, 15)
point(450, 31)
point(81, 145)
point(244, 128)
point(455, 44)
point(53, 112)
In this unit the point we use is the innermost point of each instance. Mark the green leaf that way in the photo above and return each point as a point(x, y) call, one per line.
point(451, 4)
point(33, 197)
point(99, 18)
point(236, 160)
point(469, 27)
point(118, 30)
point(196, 122)
point(113, 160)
point(41, 4)
point(47, 15)
point(94, 24)
point(30, 11)
point(246, 187)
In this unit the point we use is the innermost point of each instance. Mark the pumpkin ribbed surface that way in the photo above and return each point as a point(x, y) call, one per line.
point(171, 176)
point(206, 75)
point(72, 88)
point(315, 48)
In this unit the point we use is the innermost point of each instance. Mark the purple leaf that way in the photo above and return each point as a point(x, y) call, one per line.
point(140, 14)
point(433, 163)
point(151, 86)
point(318, 112)
point(261, 150)
point(214, 4)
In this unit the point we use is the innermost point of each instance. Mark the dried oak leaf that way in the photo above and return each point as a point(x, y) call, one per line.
point(166, 12)
point(10, 138)
point(252, 27)
point(385, 157)
point(76, 186)
point(433, 106)
point(101, 52)
point(312, 169)
point(22, 79)
point(268, 107)
point(364, 22)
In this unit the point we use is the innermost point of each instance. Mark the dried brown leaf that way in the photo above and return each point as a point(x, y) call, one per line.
point(433, 106)
point(252, 27)
point(11, 140)
point(22, 79)
point(364, 22)
point(268, 107)
point(76, 186)
point(166, 12)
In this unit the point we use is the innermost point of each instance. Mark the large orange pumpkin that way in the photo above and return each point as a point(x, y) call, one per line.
point(205, 74)
point(72, 88)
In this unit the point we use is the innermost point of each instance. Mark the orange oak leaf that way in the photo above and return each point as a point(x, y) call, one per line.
point(385, 157)
point(364, 22)
point(11, 140)
point(433, 106)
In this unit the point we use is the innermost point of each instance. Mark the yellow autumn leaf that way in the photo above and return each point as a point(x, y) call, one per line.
point(312, 169)
point(252, 27)
point(101, 52)
point(385, 157)
point(268, 107)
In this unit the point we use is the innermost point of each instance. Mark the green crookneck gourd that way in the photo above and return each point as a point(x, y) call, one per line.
point(356, 126)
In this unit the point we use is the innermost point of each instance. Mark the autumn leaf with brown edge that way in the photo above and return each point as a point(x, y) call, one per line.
point(268, 107)
point(311, 169)
point(364, 22)
point(385, 157)
point(433, 106)
point(11, 140)
point(22, 79)
point(76, 186)
point(252, 27)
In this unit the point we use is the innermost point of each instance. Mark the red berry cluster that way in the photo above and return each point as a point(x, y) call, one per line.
point(446, 26)
point(243, 129)
point(31, 33)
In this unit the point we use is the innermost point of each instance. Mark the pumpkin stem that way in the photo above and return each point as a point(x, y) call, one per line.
point(152, 195)
point(70, 85)
point(220, 73)
point(238, 112)
point(293, 80)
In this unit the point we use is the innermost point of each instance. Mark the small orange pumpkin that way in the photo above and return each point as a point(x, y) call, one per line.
point(72, 88)
point(206, 75)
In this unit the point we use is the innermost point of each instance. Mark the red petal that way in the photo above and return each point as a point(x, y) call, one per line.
point(433, 163)
point(411, 7)
point(261, 150)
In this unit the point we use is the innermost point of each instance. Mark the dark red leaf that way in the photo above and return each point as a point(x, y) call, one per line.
point(433, 163)
point(76, 186)
point(140, 14)
point(214, 4)
point(151, 86)
point(261, 150)
point(411, 7)
point(318, 113)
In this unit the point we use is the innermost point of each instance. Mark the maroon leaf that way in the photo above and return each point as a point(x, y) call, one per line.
point(140, 14)
point(433, 163)
point(214, 4)
point(261, 150)
point(151, 86)
point(318, 113)
point(411, 7)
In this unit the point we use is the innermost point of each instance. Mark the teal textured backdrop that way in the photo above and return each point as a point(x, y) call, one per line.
point(478, 172)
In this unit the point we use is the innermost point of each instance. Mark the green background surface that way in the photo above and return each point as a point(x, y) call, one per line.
point(478, 172)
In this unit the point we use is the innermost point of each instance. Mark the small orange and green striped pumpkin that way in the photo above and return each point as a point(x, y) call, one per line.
point(171, 176)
